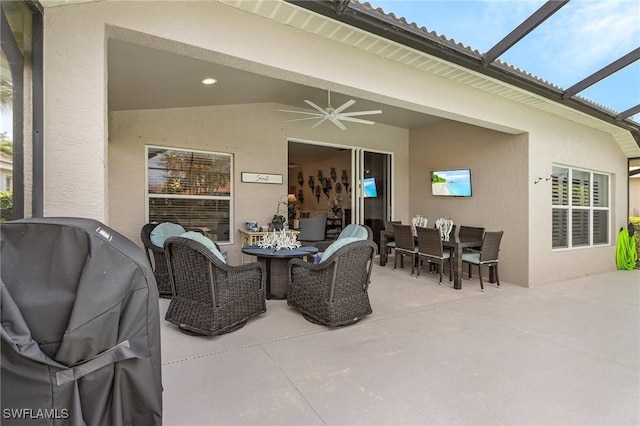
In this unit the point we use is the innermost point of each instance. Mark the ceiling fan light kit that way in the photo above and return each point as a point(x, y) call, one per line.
point(334, 115)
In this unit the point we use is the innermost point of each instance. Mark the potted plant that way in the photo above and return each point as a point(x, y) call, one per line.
point(278, 221)
point(280, 217)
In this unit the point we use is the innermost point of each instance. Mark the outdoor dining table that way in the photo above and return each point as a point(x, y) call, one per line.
point(458, 245)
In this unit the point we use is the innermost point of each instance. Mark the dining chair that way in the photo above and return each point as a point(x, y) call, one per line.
point(430, 248)
point(471, 233)
point(404, 245)
point(487, 256)
point(387, 242)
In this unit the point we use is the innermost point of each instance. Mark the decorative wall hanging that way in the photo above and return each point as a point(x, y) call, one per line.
point(312, 183)
point(261, 178)
point(338, 188)
point(326, 186)
point(300, 179)
point(334, 176)
point(345, 179)
point(317, 192)
point(320, 175)
point(301, 195)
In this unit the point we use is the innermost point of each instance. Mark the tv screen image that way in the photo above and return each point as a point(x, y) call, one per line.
point(369, 187)
point(451, 183)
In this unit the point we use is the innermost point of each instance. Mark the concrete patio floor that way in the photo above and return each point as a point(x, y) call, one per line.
point(563, 353)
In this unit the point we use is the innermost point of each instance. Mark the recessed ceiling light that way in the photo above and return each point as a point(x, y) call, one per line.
point(209, 81)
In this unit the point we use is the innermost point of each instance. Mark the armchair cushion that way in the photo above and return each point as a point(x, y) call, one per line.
point(196, 236)
point(165, 230)
point(353, 230)
point(340, 242)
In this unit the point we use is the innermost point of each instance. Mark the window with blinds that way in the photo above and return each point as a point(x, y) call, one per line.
point(580, 212)
point(192, 188)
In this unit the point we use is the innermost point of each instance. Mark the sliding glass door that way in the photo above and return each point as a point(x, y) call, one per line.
point(372, 192)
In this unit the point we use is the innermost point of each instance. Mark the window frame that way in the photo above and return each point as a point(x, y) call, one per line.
point(570, 209)
point(228, 198)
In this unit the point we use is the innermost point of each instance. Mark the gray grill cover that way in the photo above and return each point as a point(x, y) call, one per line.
point(80, 326)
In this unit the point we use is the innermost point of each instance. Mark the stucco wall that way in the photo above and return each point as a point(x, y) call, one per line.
point(558, 141)
point(499, 170)
point(79, 179)
point(255, 134)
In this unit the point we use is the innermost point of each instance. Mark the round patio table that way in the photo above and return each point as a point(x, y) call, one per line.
point(276, 263)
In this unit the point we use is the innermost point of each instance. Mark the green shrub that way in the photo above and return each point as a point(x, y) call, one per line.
point(6, 206)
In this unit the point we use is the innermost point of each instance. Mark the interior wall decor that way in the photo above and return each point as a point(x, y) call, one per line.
point(312, 183)
point(345, 179)
point(300, 179)
point(249, 177)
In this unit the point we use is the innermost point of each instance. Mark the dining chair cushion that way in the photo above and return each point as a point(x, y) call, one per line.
point(208, 243)
point(445, 255)
point(336, 245)
point(471, 257)
point(354, 230)
point(474, 258)
point(164, 231)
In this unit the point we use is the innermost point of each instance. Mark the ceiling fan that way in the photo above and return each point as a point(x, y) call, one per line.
point(334, 115)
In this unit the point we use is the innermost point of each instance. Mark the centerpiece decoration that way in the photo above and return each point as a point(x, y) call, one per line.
point(445, 226)
point(418, 221)
point(279, 240)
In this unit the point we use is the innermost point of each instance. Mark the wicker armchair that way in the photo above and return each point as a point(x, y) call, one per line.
point(211, 297)
point(155, 256)
point(322, 245)
point(333, 292)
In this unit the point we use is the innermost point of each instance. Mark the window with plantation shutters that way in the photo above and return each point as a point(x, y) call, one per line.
point(580, 212)
point(192, 188)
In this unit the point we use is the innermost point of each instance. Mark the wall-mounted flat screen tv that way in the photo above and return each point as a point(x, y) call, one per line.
point(451, 183)
point(369, 188)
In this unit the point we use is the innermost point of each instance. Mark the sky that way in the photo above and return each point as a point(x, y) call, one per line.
point(579, 39)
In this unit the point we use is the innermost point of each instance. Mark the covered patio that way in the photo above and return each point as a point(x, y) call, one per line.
point(560, 353)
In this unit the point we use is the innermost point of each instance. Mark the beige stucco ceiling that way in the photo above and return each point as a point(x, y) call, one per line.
point(145, 78)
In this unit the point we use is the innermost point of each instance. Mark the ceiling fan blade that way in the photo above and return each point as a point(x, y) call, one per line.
point(351, 114)
point(336, 122)
point(315, 107)
point(357, 120)
point(302, 119)
point(322, 120)
point(344, 106)
point(315, 114)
